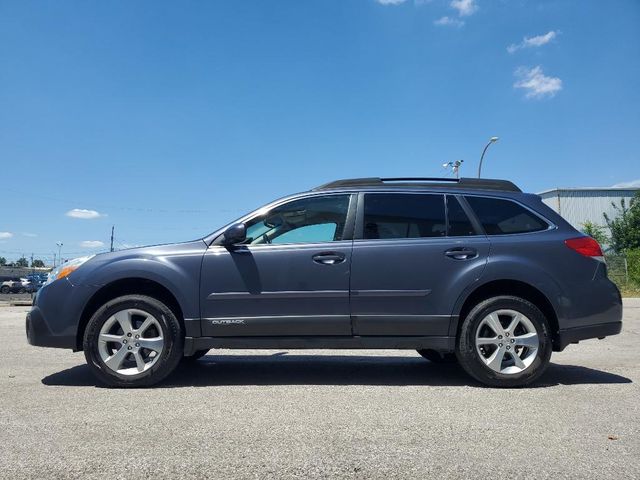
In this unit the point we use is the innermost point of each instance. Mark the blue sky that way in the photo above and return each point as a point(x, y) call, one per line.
point(170, 119)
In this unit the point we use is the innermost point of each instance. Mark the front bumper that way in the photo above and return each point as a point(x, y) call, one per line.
point(39, 334)
point(55, 316)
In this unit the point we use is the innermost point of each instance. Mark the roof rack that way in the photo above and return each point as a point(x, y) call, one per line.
point(462, 183)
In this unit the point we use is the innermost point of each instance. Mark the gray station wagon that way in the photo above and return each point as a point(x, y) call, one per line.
point(468, 270)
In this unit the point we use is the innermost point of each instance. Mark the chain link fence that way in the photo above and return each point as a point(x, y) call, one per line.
point(624, 270)
point(618, 268)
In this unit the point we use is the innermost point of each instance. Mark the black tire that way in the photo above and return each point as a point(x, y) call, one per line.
point(469, 357)
point(169, 358)
point(4, 289)
point(438, 357)
point(195, 357)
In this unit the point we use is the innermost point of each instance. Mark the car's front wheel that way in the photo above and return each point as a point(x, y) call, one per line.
point(133, 341)
point(504, 342)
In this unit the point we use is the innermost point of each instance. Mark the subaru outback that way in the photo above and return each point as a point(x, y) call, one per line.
point(472, 271)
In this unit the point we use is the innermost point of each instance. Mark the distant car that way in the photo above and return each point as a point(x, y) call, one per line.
point(12, 285)
point(468, 270)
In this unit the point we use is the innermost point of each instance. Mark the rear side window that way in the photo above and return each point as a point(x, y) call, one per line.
point(499, 216)
point(403, 216)
point(459, 223)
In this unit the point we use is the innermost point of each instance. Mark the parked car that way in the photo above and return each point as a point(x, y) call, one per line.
point(468, 270)
point(12, 285)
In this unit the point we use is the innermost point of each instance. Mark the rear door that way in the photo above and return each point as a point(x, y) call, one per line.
point(411, 261)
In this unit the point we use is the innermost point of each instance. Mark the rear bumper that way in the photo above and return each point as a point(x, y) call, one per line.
point(574, 335)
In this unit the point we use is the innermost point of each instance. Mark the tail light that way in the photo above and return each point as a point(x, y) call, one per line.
point(586, 246)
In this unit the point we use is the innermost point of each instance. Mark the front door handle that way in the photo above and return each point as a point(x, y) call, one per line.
point(461, 253)
point(329, 258)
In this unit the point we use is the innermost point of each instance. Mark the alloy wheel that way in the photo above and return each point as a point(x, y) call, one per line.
point(507, 341)
point(130, 341)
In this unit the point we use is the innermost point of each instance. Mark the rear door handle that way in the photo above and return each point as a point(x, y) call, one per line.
point(461, 253)
point(329, 258)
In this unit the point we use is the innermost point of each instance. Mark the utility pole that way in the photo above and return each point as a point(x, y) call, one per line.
point(112, 227)
point(54, 259)
point(59, 244)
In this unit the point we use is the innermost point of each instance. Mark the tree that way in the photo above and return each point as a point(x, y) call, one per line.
point(625, 226)
point(22, 262)
point(37, 263)
point(595, 231)
point(3, 261)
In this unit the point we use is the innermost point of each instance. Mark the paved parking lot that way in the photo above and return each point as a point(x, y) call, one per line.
point(354, 414)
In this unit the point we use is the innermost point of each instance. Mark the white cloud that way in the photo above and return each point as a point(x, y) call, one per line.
point(448, 22)
point(92, 244)
point(536, 83)
point(30, 235)
point(464, 7)
point(631, 184)
point(5, 235)
point(84, 214)
point(390, 2)
point(530, 42)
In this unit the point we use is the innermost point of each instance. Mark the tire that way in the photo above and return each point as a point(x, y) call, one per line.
point(4, 289)
point(163, 335)
point(438, 357)
point(195, 357)
point(478, 343)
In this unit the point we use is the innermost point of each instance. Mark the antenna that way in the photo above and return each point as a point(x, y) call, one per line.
point(454, 166)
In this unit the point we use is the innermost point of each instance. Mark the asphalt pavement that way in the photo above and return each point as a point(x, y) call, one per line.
point(321, 414)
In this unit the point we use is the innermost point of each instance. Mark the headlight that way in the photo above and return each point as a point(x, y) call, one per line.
point(65, 269)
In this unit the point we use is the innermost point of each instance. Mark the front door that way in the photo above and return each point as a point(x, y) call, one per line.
point(411, 261)
point(289, 278)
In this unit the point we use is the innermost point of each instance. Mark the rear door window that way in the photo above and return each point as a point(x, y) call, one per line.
point(500, 216)
point(459, 223)
point(400, 215)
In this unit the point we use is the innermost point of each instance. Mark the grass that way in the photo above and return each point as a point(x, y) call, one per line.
point(629, 290)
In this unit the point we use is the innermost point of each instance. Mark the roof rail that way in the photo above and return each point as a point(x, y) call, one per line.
point(461, 183)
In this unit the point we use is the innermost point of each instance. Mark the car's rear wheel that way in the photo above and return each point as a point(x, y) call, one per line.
point(133, 341)
point(4, 289)
point(504, 342)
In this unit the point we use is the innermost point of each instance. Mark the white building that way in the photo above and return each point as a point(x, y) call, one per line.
point(580, 205)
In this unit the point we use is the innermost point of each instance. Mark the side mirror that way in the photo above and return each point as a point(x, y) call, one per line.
point(234, 234)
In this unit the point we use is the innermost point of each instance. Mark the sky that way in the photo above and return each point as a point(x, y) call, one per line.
point(171, 119)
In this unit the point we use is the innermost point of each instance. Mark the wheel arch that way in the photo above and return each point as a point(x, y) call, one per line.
point(127, 286)
point(507, 287)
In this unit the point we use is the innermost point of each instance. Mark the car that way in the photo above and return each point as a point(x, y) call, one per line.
point(472, 271)
point(12, 285)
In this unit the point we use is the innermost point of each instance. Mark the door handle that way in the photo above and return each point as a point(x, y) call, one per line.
point(461, 253)
point(329, 258)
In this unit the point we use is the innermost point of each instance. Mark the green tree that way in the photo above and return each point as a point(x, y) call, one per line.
point(37, 263)
point(595, 231)
point(22, 262)
point(625, 226)
point(3, 261)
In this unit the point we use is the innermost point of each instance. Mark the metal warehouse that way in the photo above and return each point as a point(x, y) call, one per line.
point(580, 205)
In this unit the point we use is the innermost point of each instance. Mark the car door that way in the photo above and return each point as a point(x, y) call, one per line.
point(411, 261)
point(289, 278)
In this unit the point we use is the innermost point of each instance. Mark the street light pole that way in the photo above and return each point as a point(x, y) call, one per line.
point(491, 140)
point(59, 244)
